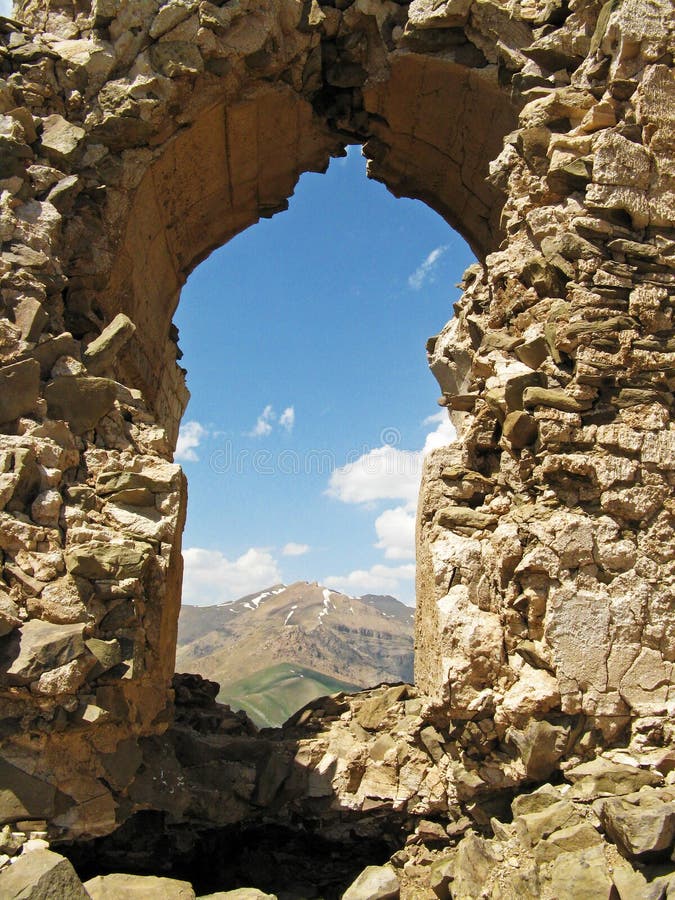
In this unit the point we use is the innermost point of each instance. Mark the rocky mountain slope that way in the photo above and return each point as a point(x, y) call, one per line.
point(325, 638)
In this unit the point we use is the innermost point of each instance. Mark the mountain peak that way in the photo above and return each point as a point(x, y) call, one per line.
point(355, 641)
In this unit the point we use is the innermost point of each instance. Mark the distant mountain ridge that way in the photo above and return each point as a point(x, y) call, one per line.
point(327, 638)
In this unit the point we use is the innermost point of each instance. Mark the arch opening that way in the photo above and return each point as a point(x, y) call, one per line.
point(303, 441)
point(236, 161)
point(233, 165)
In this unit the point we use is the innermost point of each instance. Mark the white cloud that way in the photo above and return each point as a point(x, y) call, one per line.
point(265, 422)
point(211, 578)
point(190, 436)
point(263, 426)
point(387, 473)
point(444, 434)
point(293, 549)
point(287, 419)
point(396, 532)
point(384, 473)
point(425, 270)
point(379, 579)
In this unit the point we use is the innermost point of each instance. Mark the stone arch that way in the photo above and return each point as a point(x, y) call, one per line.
point(218, 169)
point(538, 530)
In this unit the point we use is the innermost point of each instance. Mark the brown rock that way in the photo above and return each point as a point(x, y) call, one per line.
point(19, 389)
point(582, 873)
point(474, 863)
point(96, 560)
point(41, 875)
point(101, 353)
point(375, 710)
point(31, 317)
point(138, 887)
point(239, 894)
point(567, 840)
point(538, 396)
point(642, 825)
point(464, 517)
point(374, 883)
point(38, 647)
point(47, 352)
point(520, 429)
point(540, 746)
point(82, 402)
point(601, 777)
point(24, 796)
point(536, 826)
point(9, 614)
point(60, 139)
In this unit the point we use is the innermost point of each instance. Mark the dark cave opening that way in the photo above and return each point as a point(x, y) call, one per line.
point(293, 864)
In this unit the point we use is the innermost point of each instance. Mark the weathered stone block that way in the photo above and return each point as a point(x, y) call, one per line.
point(95, 560)
point(41, 875)
point(601, 777)
point(19, 389)
point(581, 873)
point(80, 401)
point(24, 796)
point(102, 351)
point(138, 887)
point(9, 614)
point(374, 883)
point(464, 517)
point(38, 647)
point(642, 824)
point(558, 399)
point(520, 429)
point(60, 139)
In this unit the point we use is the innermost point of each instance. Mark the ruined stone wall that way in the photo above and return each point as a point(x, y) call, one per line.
point(136, 136)
point(546, 533)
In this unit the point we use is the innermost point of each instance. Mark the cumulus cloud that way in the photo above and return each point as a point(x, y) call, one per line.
point(293, 549)
point(287, 419)
point(445, 432)
point(395, 529)
point(211, 578)
point(267, 420)
point(425, 271)
point(190, 436)
point(263, 426)
point(379, 579)
point(385, 473)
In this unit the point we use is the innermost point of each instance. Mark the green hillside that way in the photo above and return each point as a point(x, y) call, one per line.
point(272, 695)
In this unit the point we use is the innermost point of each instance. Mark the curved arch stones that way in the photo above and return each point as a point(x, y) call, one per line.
point(135, 137)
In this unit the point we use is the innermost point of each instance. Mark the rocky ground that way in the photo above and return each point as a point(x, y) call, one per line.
point(412, 799)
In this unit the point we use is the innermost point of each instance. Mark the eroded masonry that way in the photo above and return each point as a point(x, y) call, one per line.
point(135, 137)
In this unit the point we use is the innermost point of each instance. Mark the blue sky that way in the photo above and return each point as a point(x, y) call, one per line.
point(311, 399)
point(5, 7)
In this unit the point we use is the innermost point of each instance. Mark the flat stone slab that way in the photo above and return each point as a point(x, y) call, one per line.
point(138, 887)
point(41, 875)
